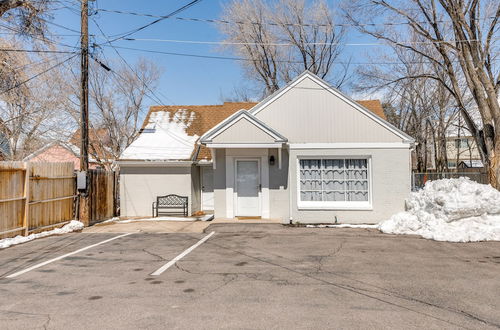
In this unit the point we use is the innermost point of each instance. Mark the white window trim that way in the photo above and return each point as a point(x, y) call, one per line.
point(346, 205)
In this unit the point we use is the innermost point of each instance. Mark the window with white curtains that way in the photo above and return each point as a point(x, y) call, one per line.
point(334, 181)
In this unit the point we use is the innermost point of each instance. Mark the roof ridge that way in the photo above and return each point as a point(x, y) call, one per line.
point(199, 105)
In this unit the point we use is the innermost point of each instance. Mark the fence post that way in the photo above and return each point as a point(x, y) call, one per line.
point(26, 214)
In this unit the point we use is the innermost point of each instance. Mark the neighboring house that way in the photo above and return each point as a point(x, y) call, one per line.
point(306, 154)
point(59, 152)
point(99, 146)
point(461, 145)
point(464, 148)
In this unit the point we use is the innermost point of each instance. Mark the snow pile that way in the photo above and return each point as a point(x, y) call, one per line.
point(454, 210)
point(164, 138)
point(73, 225)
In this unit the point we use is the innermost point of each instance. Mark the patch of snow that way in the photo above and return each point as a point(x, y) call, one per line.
point(453, 210)
point(164, 138)
point(73, 225)
point(110, 220)
point(342, 225)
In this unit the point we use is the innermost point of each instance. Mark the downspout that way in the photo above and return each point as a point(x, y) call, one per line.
point(289, 188)
point(412, 183)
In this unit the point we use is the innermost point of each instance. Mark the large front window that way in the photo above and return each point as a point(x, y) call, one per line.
point(334, 182)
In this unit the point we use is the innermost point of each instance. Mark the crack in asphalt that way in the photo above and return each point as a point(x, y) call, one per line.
point(44, 325)
point(359, 292)
point(159, 257)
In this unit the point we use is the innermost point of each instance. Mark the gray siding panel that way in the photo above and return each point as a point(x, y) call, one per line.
point(243, 131)
point(195, 189)
point(310, 114)
point(139, 187)
point(220, 184)
point(390, 186)
point(278, 187)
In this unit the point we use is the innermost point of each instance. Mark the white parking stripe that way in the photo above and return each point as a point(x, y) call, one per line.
point(182, 255)
point(64, 256)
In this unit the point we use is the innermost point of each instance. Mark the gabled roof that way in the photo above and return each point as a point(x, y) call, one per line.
point(182, 125)
point(245, 115)
point(337, 93)
point(374, 106)
point(99, 143)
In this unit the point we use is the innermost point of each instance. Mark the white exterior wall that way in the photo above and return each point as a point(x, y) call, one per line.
point(140, 185)
point(220, 184)
point(307, 113)
point(240, 131)
point(195, 200)
point(390, 185)
point(278, 187)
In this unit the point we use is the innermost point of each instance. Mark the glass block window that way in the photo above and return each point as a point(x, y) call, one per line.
point(334, 180)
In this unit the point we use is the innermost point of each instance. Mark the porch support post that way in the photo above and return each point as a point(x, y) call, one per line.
point(212, 151)
point(280, 150)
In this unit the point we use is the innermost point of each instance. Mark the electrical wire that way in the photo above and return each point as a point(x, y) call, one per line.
point(271, 23)
point(175, 12)
point(291, 44)
point(253, 60)
point(37, 75)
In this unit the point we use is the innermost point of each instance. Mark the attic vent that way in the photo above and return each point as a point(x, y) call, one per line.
point(148, 130)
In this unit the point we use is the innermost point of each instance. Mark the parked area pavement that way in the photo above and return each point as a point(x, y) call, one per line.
point(250, 276)
point(152, 226)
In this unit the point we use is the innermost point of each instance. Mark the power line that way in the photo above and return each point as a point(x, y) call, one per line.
point(290, 44)
point(253, 60)
point(204, 20)
point(127, 64)
point(36, 51)
point(161, 18)
point(42, 38)
point(37, 75)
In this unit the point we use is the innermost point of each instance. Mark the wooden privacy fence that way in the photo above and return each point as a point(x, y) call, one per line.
point(419, 179)
point(103, 187)
point(38, 196)
point(35, 196)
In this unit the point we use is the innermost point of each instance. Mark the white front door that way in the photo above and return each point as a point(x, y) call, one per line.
point(247, 188)
point(207, 188)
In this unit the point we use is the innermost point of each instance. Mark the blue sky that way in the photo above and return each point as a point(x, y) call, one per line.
point(185, 80)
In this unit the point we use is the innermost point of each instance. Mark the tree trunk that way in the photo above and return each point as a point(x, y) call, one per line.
point(494, 164)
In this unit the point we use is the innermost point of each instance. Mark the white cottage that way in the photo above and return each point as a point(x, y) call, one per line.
point(305, 154)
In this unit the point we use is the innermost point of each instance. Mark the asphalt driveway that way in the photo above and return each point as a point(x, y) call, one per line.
point(250, 276)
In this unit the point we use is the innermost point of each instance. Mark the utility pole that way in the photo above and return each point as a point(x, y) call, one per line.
point(84, 200)
point(84, 96)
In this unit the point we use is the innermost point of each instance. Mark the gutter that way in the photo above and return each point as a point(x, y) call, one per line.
point(153, 163)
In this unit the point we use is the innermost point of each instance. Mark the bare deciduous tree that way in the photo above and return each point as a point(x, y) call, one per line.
point(32, 112)
point(280, 41)
point(117, 102)
point(460, 38)
point(27, 15)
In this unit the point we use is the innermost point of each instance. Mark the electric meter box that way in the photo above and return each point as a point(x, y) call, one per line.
point(81, 180)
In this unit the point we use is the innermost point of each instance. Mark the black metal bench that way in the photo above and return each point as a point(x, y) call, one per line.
point(171, 202)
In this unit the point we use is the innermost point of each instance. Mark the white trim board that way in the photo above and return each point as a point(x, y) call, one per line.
point(307, 74)
point(350, 145)
point(149, 163)
point(335, 206)
point(245, 145)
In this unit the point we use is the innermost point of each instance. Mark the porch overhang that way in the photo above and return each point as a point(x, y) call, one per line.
point(242, 130)
point(244, 145)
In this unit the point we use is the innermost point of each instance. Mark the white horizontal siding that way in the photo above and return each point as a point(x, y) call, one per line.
point(310, 114)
